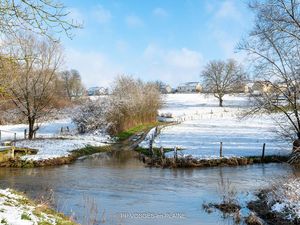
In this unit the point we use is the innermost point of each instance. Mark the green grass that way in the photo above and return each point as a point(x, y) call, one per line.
point(4, 222)
point(89, 150)
point(25, 216)
point(156, 151)
point(44, 223)
point(135, 130)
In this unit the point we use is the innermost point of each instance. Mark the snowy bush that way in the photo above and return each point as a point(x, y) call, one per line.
point(132, 102)
point(91, 116)
point(285, 198)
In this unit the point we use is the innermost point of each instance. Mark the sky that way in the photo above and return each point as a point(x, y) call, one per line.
point(166, 40)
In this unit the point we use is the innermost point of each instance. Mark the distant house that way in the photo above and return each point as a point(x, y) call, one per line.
point(248, 87)
point(96, 91)
point(189, 87)
point(165, 89)
point(259, 87)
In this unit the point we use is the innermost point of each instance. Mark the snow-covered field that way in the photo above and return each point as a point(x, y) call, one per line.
point(49, 143)
point(204, 125)
point(47, 130)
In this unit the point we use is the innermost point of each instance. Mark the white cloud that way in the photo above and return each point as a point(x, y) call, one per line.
point(122, 46)
point(102, 15)
point(228, 9)
point(134, 21)
point(160, 12)
point(95, 68)
point(225, 13)
point(184, 58)
point(172, 65)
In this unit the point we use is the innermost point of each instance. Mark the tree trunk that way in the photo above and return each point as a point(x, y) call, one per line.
point(220, 102)
point(31, 128)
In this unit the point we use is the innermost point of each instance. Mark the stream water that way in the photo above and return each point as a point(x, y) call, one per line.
point(120, 190)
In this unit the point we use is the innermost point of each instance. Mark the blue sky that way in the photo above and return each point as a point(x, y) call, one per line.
point(167, 40)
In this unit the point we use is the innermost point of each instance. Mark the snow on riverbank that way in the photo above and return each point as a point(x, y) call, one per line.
point(204, 125)
point(51, 143)
point(15, 209)
point(54, 148)
point(285, 199)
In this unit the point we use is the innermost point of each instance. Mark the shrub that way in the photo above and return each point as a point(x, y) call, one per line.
point(91, 116)
point(132, 103)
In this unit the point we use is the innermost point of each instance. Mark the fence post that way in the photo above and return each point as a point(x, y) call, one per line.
point(221, 149)
point(0, 135)
point(162, 153)
point(61, 130)
point(175, 153)
point(151, 147)
point(263, 152)
point(25, 134)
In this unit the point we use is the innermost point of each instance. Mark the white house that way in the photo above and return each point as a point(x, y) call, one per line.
point(97, 91)
point(189, 87)
point(165, 89)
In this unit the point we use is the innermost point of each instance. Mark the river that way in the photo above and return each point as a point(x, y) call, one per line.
point(121, 190)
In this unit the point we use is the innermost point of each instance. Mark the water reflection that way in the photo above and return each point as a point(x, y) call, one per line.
point(119, 183)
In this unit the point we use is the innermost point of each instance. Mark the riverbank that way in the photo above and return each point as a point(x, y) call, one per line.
point(16, 209)
point(280, 203)
point(158, 159)
point(73, 156)
point(277, 204)
point(127, 140)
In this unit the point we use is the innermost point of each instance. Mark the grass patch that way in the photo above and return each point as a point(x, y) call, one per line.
point(44, 223)
point(25, 216)
point(89, 150)
point(4, 222)
point(269, 158)
point(156, 151)
point(137, 129)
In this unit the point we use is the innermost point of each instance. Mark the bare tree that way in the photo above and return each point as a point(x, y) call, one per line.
point(221, 77)
point(31, 76)
point(274, 47)
point(43, 17)
point(72, 83)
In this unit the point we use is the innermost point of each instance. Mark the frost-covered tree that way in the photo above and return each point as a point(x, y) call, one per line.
point(45, 17)
point(72, 84)
point(274, 47)
point(91, 116)
point(30, 66)
point(222, 77)
point(131, 103)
